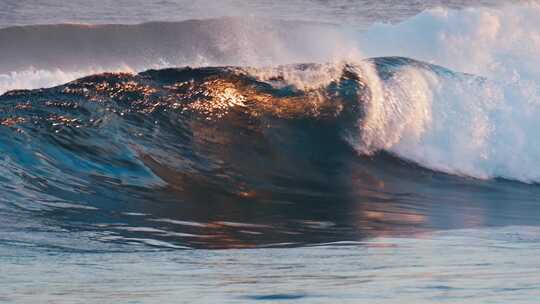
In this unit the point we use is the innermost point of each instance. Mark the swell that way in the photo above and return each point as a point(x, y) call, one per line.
point(224, 41)
point(362, 13)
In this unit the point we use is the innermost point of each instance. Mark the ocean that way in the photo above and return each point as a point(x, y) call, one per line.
point(305, 151)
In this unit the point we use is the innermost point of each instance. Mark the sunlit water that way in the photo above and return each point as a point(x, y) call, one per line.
point(297, 183)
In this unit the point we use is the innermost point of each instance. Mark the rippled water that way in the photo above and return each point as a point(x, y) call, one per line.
point(460, 266)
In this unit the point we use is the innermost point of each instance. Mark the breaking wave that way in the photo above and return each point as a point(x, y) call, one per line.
point(458, 93)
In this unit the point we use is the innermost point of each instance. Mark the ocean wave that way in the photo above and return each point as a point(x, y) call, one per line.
point(50, 53)
point(446, 121)
point(235, 157)
point(479, 126)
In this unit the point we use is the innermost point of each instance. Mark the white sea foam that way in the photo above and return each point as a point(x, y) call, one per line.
point(460, 125)
point(32, 78)
point(493, 42)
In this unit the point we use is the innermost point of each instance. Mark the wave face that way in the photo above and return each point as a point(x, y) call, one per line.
point(176, 143)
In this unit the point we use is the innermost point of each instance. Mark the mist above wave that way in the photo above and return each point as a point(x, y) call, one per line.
point(47, 55)
point(226, 41)
point(499, 43)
